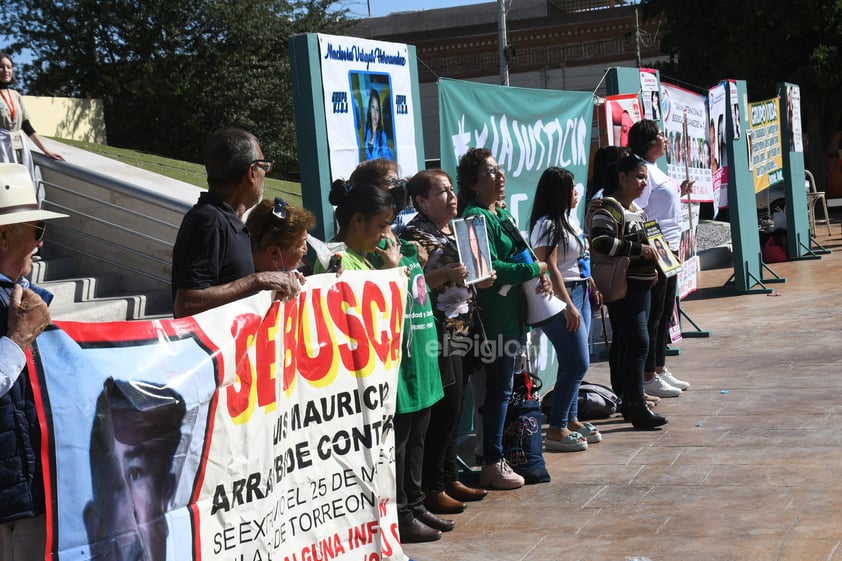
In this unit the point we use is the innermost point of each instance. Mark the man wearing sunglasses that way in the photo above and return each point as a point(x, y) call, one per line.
point(23, 316)
point(212, 263)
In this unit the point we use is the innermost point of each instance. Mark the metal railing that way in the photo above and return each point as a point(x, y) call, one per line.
point(114, 226)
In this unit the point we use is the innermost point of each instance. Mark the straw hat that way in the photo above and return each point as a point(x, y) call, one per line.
point(17, 197)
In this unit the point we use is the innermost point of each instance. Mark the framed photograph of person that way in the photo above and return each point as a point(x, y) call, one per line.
point(472, 243)
point(667, 261)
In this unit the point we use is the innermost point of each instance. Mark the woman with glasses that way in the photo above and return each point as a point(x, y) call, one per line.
point(454, 309)
point(662, 202)
point(502, 306)
point(376, 144)
point(278, 234)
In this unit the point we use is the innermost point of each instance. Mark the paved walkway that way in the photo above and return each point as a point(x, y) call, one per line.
point(749, 467)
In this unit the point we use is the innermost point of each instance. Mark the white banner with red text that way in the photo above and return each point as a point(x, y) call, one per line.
point(258, 430)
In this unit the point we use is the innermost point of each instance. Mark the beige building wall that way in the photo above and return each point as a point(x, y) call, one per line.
point(67, 118)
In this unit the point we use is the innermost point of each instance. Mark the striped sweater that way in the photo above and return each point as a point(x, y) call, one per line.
point(603, 232)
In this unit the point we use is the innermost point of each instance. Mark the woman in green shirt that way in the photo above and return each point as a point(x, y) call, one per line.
point(502, 307)
point(419, 383)
point(364, 214)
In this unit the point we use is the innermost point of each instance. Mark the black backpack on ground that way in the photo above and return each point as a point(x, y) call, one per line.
point(595, 402)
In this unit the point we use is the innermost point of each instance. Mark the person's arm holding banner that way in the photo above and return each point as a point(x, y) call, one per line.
point(190, 301)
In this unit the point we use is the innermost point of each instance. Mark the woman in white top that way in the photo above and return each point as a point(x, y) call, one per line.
point(15, 128)
point(558, 240)
point(661, 199)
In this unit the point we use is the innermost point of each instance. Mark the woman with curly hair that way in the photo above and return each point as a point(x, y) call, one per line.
point(278, 234)
point(502, 305)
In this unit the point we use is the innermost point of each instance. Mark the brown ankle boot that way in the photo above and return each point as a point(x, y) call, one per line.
point(442, 503)
point(462, 492)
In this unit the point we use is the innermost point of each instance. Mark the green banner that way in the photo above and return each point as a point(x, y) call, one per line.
point(526, 130)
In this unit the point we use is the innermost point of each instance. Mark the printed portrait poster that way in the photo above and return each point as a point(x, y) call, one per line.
point(472, 244)
point(793, 115)
point(257, 430)
point(688, 151)
point(684, 125)
point(650, 93)
point(720, 137)
point(764, 144)
point(736, 119)
point(674, 326)
point(687, 252)
point(667, 261)
point(368, 103)
point(620, 112)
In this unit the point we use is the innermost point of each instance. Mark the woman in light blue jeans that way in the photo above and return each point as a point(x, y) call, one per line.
point(557, 239)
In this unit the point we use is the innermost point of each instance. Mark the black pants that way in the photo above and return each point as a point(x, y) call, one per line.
point(440, 448)
point(410, 431)
point(660, 314)
point(630, 316)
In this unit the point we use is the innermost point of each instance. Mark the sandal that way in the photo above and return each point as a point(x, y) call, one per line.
point(590, 432)
point(573, 442)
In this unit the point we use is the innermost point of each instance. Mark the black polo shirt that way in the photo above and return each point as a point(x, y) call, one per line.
point(212, 246)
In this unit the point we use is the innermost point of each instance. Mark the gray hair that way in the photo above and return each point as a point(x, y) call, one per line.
point(228, 155)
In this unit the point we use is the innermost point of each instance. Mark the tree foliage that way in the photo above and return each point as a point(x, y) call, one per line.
point(171, 72)
point(764, 43)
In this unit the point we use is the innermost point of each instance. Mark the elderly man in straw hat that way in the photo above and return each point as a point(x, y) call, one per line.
point(23, 315)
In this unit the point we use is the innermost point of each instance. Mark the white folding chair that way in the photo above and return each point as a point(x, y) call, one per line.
point(814, 196)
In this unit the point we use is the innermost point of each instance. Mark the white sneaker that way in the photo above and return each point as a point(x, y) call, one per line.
point(500, 476)
point(659, 388)
point(667, 377)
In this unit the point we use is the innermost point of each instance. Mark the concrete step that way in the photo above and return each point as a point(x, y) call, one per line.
point(52, 269)
point(96, 299)
point(108, 309)
point(83, 289)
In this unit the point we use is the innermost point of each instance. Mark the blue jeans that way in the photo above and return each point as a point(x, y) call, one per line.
point(630, 315)
point(498, 390)
point(573, 354)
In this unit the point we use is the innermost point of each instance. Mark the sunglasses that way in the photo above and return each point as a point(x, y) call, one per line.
point(280, 209)
point(493, 171)
point(265, 165)
point(394, 182)
point(40, 230)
